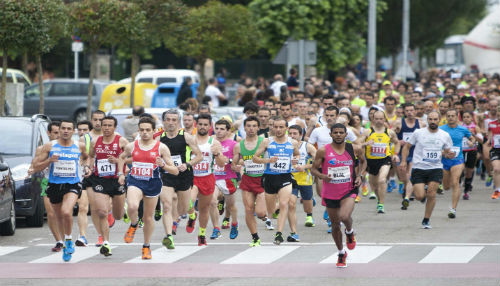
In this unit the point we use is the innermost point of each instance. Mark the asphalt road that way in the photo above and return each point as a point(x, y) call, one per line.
point(392, 249)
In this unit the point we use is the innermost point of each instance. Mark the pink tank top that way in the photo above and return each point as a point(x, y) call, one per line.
point(340, 170)
point(225, 172)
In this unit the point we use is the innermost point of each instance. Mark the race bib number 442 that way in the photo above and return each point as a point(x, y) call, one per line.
point(281, 166)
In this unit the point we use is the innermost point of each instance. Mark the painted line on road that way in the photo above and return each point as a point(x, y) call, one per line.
point(314, 243)
point(260, 255)
point(361, 254)
point(169, 256)
point(81, 253)
point(9, 249)
point(450, 254)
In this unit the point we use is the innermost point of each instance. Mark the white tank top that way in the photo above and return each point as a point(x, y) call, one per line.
point(205, 167)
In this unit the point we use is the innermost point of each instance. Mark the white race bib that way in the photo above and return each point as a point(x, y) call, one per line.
point(432, 155)
point(406, 136)
point(219, 171)
point(203, 168)
point(339, 175)
point(105, 168)
point(496, 141)
point(177, 160)
point(142, 171)
point(64, 169)
point(379, 150)
point(455, 150)
point(252, 168)
point(280, 166)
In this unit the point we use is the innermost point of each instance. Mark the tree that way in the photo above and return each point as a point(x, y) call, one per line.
point(215, 31)
point(15, 21)
point(96, 24)
point(338, 26)
point(430, 23)
point(146, 23)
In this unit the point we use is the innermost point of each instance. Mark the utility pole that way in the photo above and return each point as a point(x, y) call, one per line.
point(372, 39)
point(406, 37)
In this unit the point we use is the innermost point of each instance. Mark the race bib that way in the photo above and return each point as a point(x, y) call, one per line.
point(339, 175)
point(496, 141)
point(407, 136)
point(455, 150)
point(432, 155)
point(465, 145)
point(202, 168)
point(252, 168)
point(280, 166)
point(177, 160)
point(378, 150)
point(65, 169)
point(142, 171)
point(219, 171)
point(105, 168)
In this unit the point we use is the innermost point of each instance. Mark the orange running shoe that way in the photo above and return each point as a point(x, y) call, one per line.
point(146, 253)
point(350, 240)
point(495, 195)
point(129, 235)
point(100, 241)
point(191, 223)
point(357, 199)
point(341, 262)
point(111, 220)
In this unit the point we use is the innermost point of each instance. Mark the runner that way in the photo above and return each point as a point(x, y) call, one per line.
point(251, 186)
point(404, 128)
point(454, 167)
point(303, 183)
point(379, 157)
point(181, 145)
point(431, 144)
point(470, 152)
point(143, 181)
point(494, 143)
point(225, 183)
point(188, 122)
point(264, 115)
point(204, 180)
point(63, 156)
point(339, 167)
point(104, 152)
point(282, 153)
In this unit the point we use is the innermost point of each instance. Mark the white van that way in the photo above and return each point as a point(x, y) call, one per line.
point(159, 76)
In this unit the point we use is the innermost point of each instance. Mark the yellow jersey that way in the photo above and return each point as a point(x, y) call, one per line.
point(381, 145)
point(303, 178)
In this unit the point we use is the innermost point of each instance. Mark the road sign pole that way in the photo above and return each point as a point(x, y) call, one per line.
point(76, 65)
point(372, 40)
point(76, 47)
point(301, 64)
point(406, 37)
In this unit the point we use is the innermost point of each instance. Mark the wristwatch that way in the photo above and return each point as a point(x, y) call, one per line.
point(119, 174)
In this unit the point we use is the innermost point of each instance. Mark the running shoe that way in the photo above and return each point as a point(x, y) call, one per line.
point(234, 231)
point(401, 188)
point(126, 218)
point(216, 234)
point(380, 209)
point(146, 253)
point(100, 241)
point(405, 203)
point(174, 228)
point(168, 242)
point(341, 261)
point(140, 223)
point(423, 200)
point(269, 224)
point(278, 238)
point(364, 190)
point(391, 186)
point(220, 206)
point(372, 196)
point(293, 237)
point(129, 235)
point(196, 205)
point(325, 215)
point(309, 221)
point(158, 214)
point(57, 247)
point(81, 241)
point(483, 176)
point(495, 195)
point(225, 223)
point(276, 214)
point(465, 196)
point(452, 213)
point(255, 242)
point(201, 240)
point(489, 181)
point(329, 230)
point(478, 169)
point(440, 190)
point(105, 250)
point(350, 240)
point(314, 202)
point(111, 220)
point(357, 199)
point(426, 225)
point(68, 250)
point(191, 223)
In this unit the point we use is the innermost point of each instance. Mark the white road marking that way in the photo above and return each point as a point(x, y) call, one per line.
point(81, 253)
point(450, 254)
point(163, 255)
point(361, 254)
point(4, 250)
point(260, 255)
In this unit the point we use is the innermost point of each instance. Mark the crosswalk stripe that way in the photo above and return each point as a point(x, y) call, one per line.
point(260, 255)
point(4, 250)
point(163, 255)
point(450, 254)
point(81, 253)
point(361, 254)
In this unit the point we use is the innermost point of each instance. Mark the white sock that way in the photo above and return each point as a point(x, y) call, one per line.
point(105, 242)
point(349, 232)
point(497, 189)
point(342, 251)
point(66, 237)
point(59, 241)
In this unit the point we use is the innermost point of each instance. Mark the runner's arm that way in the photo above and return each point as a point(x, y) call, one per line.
point(220, 159)
point(312, 152)
point(42, 160)
point(191, 141)
point(262, 148)
point(318, 160)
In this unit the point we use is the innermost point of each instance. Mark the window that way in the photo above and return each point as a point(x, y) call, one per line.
point(43, 134)
point(146, 79)
point(34, 91)
point(65, 89)
point(21, 79)
point(19, 131)
point(84, 89)
point(161, 80)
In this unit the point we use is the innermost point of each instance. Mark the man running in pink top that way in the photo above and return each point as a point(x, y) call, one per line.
point(337, 165)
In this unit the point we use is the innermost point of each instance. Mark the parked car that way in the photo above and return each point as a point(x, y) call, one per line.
point(64, 98)
point(21, 137)
point(16, 76)
point(159, 76)
point(123, 113)
point(7, 208)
